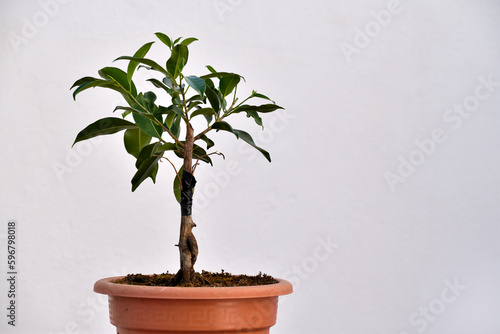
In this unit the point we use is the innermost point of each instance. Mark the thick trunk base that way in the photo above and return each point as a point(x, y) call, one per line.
point(188, 249)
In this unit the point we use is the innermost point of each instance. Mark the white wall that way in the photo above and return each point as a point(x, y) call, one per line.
point(365, 255)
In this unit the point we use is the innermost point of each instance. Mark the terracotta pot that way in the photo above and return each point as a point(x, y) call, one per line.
point(136, 309)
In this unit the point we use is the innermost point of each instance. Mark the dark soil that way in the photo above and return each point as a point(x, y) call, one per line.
point(203, 279)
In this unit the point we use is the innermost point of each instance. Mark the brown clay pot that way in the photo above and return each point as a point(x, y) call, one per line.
point(136, 309)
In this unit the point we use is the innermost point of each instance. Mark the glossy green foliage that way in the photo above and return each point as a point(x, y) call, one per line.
point(152, 132)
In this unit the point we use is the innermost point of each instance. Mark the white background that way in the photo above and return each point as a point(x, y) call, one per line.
point(363, 99)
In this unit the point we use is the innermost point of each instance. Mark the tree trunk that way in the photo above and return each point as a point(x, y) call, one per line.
point(188, 247)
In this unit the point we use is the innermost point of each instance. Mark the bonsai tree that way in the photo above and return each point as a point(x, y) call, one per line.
point(153, 132)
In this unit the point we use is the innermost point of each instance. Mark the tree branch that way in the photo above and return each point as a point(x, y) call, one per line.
point(206, 155)
point(175, 169)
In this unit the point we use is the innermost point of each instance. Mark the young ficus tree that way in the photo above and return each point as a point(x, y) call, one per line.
point(153, 131)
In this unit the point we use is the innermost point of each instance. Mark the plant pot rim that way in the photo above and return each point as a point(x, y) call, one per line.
point(107, 287)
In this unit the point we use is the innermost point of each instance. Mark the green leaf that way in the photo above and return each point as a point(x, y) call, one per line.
point(176, 100)
point(167, 147)
point(179, 153)
point(208, 118)
point(220, 75)
point(149, 101)
point(198, 84)
point(203, 111)
point(176, 126)
point(83, 81)
point(196, 97)
point(262, 96)
point(99, 83)
point(211, 69)
point(149, 62)
point(164, 38)
point(132, 66)
point(177, 60)
point(119, 78)
point(178, 39)
point(154, 173)
point(248, 139)
point(146, 170)
point(146, 152)
point(210, 83)
point(147, 125)
point(177, 186)
point(255, 116)
point(200, 153)
point(188, 41)
point(182, 64)
point(228, 83)
point(240, 134)
point(208, 141)
point(265, 108)
point(178, 111)
point(127, 111)
point(168, 82)
point(223, 126)
point(191, 105)
point(158, 84)
point(213, 99)
point(153, 150)
point(134, 140)
point(104, 126)
point(136, 110)
point(169, 120)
